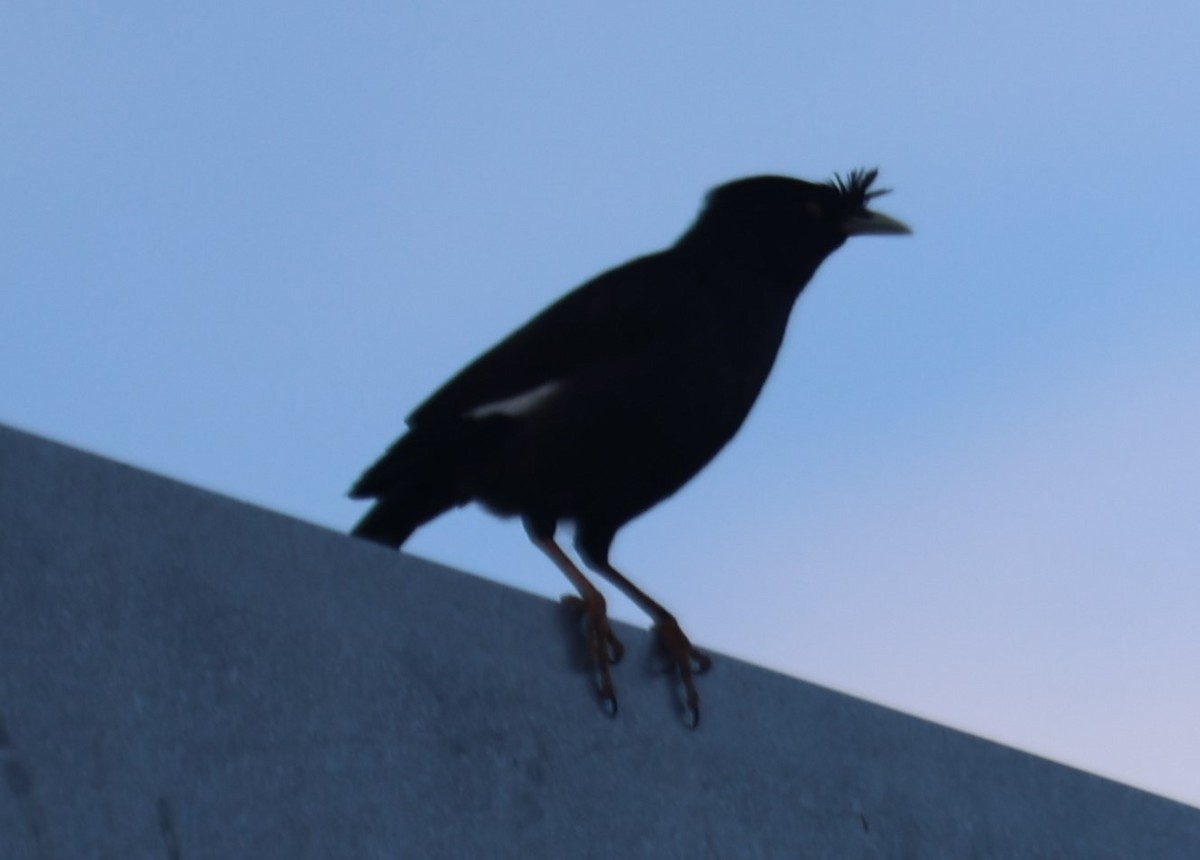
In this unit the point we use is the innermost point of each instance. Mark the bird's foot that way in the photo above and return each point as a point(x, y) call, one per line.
point(604, 649)
point(685, 659)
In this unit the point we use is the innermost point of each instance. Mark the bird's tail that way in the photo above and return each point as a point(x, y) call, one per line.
point(394, 517)
point(419, 478)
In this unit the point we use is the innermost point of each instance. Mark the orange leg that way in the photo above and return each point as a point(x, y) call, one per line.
point(603, 647)
point(680, 653)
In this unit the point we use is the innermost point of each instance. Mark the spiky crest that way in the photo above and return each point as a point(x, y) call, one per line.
point(855, 187)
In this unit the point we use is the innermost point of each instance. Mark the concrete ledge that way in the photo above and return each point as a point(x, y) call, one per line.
point(185, 676)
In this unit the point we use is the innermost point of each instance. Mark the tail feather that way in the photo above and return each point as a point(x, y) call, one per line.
point(420, 477)
point(394, 518)
point(411, 456)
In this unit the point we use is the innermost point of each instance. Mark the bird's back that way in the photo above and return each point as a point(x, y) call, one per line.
point(605, 317)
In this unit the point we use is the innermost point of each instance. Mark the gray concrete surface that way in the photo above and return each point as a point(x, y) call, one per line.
point(185, 676)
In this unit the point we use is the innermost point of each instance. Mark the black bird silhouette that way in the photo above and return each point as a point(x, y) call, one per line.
point(613, 397)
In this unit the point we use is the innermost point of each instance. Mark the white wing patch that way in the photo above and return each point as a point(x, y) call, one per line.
point(520, 404)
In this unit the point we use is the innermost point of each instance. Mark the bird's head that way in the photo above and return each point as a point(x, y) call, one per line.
point(785, 227)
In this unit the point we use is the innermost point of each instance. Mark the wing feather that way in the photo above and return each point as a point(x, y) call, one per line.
point(605, 317)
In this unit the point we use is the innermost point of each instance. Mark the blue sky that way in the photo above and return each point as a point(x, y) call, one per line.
point(242, 241)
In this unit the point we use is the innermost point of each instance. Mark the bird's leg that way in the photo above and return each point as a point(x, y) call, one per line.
point(603, 647)
point(681, 654)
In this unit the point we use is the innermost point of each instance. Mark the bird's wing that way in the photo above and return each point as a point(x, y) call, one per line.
point(605, 317)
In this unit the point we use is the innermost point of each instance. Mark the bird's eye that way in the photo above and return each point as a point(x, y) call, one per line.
point(814, 210)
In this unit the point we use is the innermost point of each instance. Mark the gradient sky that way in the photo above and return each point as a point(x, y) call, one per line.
point(241, 241)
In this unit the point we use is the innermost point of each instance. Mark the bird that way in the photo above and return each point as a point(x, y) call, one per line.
point(616, 395)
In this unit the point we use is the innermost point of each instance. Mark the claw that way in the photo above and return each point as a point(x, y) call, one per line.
point(685, 659)
point(603, 647)
point(609, 703)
